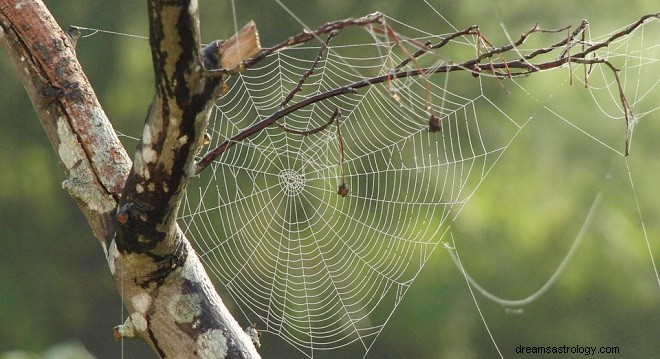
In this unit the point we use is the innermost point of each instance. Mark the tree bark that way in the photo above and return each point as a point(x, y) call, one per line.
point(132, 210)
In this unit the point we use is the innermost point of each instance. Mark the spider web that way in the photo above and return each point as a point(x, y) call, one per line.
point(324, 271)
point(315, 268)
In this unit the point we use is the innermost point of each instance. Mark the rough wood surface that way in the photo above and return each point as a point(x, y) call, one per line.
point(90, 153)
point(171, 302)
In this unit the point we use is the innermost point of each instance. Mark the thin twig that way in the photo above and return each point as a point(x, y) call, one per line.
point(306, 36)
point(309, 71)
point(624, 32)
point(502, 69)
point(343, 187)
point(627, 111)
point(307, 132)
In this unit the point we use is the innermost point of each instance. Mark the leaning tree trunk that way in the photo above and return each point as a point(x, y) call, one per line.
point(132, 210)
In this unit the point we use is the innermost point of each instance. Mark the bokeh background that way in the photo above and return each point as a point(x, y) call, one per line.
point(55, 286)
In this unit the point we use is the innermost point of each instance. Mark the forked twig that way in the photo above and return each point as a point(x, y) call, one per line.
point(310, 71)
point(306, 36)
point(495, 64)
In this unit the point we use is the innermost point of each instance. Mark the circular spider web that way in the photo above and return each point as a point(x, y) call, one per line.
point(302, 262)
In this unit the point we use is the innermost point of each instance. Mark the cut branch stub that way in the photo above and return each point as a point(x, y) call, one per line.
point(225, 57)
point(242, 45)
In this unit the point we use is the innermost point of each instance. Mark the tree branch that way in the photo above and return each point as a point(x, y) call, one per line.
point(171, 301)
point(173, 304)
point(475, 66)
point(90, 153)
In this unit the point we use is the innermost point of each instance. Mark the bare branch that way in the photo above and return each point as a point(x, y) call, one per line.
point(306, 36)
point(309, 71)
point(624, 32)
point(95, 162)
point(498, 69)
point(428, 47)
point(298, 39)
point(171, 300)
point(157, 262)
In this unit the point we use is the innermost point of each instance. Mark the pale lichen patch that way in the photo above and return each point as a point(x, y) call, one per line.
point(190, 269)
point(67, 149)
point(139, 188)
point(79, 184)
point(104, 148)
point(185, 308)
point(147, 137)
point(138, 160)
point(166, 188)
point(212, 344)
point(113, 254)
point(192, 8)
point(141, 302)
point(149, 155)
point(151, 186)
point(183, 139)
point(139, 322)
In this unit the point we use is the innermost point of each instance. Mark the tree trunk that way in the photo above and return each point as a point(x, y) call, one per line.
point(132, 210)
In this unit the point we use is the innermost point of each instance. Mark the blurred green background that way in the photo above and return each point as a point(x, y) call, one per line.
point(55, 285)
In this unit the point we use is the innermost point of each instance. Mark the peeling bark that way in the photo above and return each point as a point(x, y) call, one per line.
point(90, 153)
point(171, 301)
